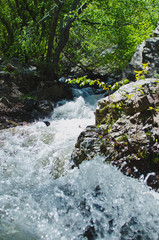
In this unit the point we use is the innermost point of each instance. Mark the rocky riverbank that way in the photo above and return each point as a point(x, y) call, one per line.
point(127, 122)
point(126, 131)
point(25, 96)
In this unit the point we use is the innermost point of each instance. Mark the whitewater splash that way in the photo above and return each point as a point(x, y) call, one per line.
point(41, 198)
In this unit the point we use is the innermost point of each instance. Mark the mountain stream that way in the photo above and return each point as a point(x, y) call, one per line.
point(42, 198)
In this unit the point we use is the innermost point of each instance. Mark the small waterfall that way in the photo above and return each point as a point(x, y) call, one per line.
point(41, 198)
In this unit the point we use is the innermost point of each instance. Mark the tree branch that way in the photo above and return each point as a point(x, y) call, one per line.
point(65, 33)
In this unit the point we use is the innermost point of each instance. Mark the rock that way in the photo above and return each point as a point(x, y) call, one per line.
point(29, 104)
point(47, 123)
point(156, 32)
point(53, 92)
point(87, 145)
point(90, 233)
point(5, 102)
point(147, 52)
point(128, 131)
point(27, 81)
point(10, 67)
point(62, 79)
point(130, 97)
point(44, 107)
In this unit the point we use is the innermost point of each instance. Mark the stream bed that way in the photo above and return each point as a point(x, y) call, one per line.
point(42, 198)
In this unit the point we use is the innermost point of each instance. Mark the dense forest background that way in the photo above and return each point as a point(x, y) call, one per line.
point(63, 34)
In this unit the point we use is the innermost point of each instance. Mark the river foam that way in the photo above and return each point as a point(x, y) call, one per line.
point(41, 198)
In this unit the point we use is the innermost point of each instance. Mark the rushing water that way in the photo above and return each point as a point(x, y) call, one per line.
point(41, 198)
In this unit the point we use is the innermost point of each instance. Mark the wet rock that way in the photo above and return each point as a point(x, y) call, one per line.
point(29, 104)
point(90, 233)
point(53, 92)
point(44, 107)
point(153, 181)
point(127, 133)
point(87, 146)
point(47, 123)
point(38, 109)
point(25, 80)
point(134, 230)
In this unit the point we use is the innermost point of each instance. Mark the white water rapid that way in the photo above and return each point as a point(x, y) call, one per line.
point(42, 199)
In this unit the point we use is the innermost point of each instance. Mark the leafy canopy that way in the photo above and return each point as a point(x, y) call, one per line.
point(88, 34)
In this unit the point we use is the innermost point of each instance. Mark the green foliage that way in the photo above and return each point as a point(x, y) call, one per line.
point(123, 138)
point(154, 109)
point(156, 159)
point(156, 75)
point(108, 36)
point(100, 33)
point(140, 75)
point(20, 34)
point(26, 96)
point(112, 111)
point(82, 81)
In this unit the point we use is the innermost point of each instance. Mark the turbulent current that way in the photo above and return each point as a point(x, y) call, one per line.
point(42, 198)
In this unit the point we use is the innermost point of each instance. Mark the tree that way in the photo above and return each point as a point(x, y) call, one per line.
point(108, 36)
point(32, 32)
point(16, 17)
point(61, 25)
point(85, 33)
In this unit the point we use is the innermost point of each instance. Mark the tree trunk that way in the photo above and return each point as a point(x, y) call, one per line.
point(52, 32)
point(8, 28)
point(64, 36)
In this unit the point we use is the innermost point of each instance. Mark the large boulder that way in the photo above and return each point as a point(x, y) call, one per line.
point(126, 131)
point(147, 52)
point(25, 95)
point(44, 107)
point(156, 31)
point(53, 91)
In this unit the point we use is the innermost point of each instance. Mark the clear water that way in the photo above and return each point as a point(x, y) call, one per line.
point(40, 198)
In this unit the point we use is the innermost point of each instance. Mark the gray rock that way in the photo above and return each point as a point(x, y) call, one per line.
point(45, 107)
point(156, 32)
point(10, 67)
point(5, 101)
point(125, 135)
point(29, 104)
point(147, 52)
